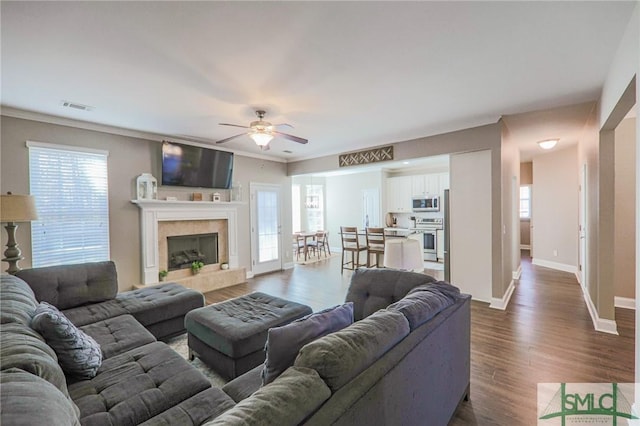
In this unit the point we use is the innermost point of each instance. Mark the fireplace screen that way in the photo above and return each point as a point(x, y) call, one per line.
point(185, 249)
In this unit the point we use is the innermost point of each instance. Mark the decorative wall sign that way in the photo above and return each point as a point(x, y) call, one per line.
point(366, 157)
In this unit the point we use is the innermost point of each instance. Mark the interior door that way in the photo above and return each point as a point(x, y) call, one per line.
point(266, 238)
point(371, 208)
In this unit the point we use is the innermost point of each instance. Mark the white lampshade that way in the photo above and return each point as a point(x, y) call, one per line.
point(18, 208)
point(403, 253)
point(548, 144)
point(261, 138)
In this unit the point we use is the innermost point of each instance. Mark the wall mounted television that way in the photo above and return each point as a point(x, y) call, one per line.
point(193, 166)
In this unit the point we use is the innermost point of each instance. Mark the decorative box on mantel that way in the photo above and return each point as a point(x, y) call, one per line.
point(153, 213)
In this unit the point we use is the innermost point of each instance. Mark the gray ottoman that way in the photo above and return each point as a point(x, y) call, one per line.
point(230, 336)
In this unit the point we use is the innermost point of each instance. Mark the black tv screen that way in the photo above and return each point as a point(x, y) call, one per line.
point(187, 165)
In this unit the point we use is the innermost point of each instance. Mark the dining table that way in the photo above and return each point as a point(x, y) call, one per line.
point(306, 235)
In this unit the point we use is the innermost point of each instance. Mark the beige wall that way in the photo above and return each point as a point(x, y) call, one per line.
point(510, 187)
point(128, 158)
point(555, 208)
point(526, 173)
point(625, 209)
point(471, 224)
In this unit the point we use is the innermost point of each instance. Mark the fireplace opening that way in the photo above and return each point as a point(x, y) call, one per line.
point(185, 249)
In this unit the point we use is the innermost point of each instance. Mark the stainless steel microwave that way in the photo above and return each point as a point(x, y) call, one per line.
point(425, 204)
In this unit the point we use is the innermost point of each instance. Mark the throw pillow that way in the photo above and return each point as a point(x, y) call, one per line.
point(283, 343)
point(78, 353)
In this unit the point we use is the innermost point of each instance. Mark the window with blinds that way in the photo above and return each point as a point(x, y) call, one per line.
point(71, 191)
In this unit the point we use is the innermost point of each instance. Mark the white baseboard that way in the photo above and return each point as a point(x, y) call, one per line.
point(555, 265)
point(625, 302)
point(288, 265)
point(525, 247)
point(599, 324)
point(249, 274)
point(502, 303)
point(517, 273)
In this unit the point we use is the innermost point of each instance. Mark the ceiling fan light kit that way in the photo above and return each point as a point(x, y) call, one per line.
point(262, 132)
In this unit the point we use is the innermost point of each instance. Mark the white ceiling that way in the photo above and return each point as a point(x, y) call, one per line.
point(347, 75)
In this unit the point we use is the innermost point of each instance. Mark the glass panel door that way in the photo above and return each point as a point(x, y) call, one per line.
point(265, 228)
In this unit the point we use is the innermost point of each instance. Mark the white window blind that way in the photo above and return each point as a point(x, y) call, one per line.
point(71, 192)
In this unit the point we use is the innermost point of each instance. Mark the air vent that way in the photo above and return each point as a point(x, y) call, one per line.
point(77, 106)
point(286, 151)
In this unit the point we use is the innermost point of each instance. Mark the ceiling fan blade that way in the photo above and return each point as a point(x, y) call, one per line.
point(291, 137)
point(234, 125)
point(232, 137)
point(283, 124)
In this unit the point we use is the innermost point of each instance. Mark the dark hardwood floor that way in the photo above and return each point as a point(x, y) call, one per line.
point(544, 335)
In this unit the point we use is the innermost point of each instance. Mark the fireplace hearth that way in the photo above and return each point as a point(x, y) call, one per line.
point(182, 250)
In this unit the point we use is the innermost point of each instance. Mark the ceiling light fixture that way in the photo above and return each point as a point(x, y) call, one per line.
point(261, 137)
point(548, 144)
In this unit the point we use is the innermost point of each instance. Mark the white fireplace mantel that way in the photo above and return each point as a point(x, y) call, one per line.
point(154, 211)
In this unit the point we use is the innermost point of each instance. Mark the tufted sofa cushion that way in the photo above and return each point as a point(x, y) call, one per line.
point(148, 305)
point(83, 283)
point(373, 289)
point(17, 301)
point(118, 335)
point(137, 385)
point(30, 400)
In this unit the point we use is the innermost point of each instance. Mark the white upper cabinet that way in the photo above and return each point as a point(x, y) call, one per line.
point(399, 194)
point(430, 184)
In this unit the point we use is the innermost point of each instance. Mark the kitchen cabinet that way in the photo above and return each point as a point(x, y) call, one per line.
point(440, 244)
point(430, 184)
point(399, 194)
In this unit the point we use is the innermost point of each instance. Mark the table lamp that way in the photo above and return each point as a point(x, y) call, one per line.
point(403, 253)
point(15, 208)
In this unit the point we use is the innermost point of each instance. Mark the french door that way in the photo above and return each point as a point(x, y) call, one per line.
point(266, 239)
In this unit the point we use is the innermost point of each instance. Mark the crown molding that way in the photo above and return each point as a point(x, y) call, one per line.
point(120, 131)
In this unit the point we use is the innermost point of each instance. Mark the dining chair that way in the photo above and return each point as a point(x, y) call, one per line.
point(351, 244)
point(298, 245)
point(322, 242)
point(375, 245)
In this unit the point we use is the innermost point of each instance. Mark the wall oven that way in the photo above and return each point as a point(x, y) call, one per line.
point(425, 204)
point(428, 228)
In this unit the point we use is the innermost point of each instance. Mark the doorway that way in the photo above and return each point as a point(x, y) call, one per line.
point(371, 208)
point(266, 236)
point(582, 267)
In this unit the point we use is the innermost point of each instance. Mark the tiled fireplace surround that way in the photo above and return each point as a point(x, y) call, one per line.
point(160, 219)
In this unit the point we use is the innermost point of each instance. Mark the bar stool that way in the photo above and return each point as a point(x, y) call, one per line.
point(375, 245)
point(351, 243)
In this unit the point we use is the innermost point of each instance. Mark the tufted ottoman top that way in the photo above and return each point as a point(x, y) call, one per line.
point(239, 326)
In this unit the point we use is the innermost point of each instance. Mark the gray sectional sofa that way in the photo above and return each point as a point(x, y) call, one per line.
point(405, 360)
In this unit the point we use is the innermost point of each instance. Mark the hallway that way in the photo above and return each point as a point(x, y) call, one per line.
point(544, 335)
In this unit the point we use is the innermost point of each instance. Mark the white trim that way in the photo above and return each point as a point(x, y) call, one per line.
point(250, 274)
point(578, 277)
point(555, 265)
point(113, 130)
point(625, 302)
point(599, 324)
point(517, 273)
point(525, 247)
point(288, 265)
point(154, 211)
point(502, 303)
point(47, 145)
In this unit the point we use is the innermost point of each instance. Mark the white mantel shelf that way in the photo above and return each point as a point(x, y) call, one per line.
point(191, 204)
point(154, 211)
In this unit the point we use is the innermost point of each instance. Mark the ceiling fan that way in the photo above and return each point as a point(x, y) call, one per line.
point(262, 132)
